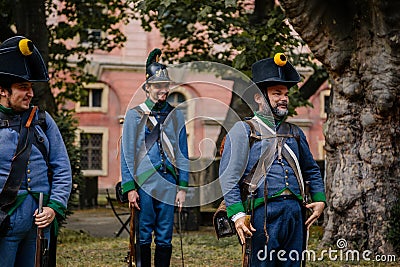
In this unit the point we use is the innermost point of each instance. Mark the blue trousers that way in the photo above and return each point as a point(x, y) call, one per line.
point(285, 229)
point(156, 197)
point(18, 247)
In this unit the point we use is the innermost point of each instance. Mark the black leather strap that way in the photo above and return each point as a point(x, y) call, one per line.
point(151, 138)
point(10, 121)
point(19, 163)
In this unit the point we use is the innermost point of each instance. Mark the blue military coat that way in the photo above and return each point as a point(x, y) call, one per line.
point(36, 179)
point(137, 163)
point(238, 159)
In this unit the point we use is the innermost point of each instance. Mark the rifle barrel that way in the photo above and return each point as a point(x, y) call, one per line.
point(246, 247)
point(132, 252)
point(39, 236)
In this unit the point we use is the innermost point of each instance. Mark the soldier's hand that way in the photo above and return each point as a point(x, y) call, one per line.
point(133, 198)
point(45, 218)
point(243, 230)
point(317, 208)
point(180, 199)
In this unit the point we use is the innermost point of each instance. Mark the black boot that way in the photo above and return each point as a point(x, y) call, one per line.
point(162, 256)
point(145, 255)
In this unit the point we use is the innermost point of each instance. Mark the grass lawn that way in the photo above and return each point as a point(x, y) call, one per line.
point(200, 249)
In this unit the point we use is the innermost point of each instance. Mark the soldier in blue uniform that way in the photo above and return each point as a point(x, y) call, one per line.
point(154, 163)
point(278, 221)
point(45, 168)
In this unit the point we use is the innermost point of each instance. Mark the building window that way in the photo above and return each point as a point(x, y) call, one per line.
point(177, 99)
point(324, 106)
point(94, 150)
point(321, 150)
point(91, 98)
point(91, 158)
point(94, 99)
point(91, 37)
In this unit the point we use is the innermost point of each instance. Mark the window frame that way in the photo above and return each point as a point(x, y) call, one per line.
point(104, 148)
point(322, 96)
point(104, 98)
point(92, 37)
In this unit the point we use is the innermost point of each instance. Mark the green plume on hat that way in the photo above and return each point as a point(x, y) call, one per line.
point(153, 56)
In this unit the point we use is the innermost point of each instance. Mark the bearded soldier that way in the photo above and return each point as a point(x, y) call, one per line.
point(279, 164)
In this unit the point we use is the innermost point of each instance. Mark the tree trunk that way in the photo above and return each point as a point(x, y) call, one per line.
point(358, 43)
point(30, 17)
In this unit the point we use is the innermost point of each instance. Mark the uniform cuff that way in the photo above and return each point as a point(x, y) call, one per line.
point(57, 207)
point(183, 185)
point(319, 197)
point(234, 209)
point(129, 186)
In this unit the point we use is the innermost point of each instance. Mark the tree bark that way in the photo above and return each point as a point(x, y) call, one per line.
point(358, 43)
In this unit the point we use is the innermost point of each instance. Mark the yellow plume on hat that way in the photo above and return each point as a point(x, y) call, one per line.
point(26, 47)
point(280, 59)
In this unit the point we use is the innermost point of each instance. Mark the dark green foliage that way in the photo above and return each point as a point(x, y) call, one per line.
point(68, 126)
point(68, 63)
point(67, 52)
point(223, 31)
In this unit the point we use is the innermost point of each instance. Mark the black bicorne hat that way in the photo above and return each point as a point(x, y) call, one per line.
point(272, 71)
point(156, 72)
point(268, 72)
point(21, 61)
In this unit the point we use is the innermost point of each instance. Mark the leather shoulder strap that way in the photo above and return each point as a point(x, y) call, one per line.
point(288, 129)
point(253, 137)
point(293, 131)
point(19, 161)
point(39, 141)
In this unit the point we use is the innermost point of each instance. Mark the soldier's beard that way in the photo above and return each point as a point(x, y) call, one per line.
point(279, 112)
point(268, 110)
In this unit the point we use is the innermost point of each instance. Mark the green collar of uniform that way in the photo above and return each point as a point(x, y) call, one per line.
point(149, 103)
point(270, 121)
point(267, 120)
point(152, 106)
point(7, 111)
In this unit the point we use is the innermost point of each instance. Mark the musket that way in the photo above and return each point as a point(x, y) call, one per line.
point(134, 249)
point(41, 257)
point(180, 232)
point(246, 246)
point(307, 213)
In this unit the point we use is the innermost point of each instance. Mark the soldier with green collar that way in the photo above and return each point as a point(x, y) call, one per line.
point(154, 163)
point(278, 183)
point(33, 157)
